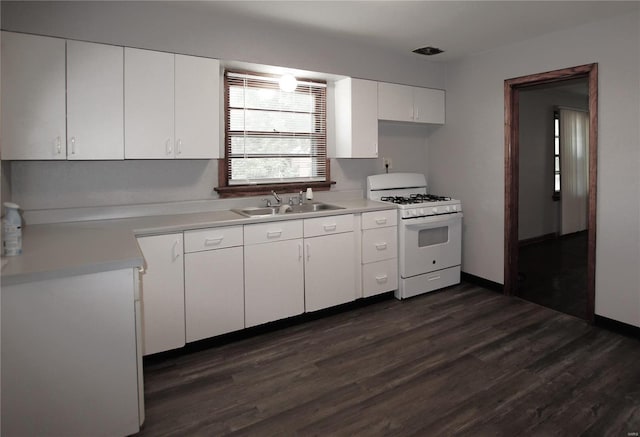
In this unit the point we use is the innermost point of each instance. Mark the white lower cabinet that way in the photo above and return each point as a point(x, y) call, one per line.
point(69, 364)
point(162, 293)
point(329, 269)
point(214, 282)
point(379, 252)
point(274, 271)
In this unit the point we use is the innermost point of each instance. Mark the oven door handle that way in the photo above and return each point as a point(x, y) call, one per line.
point(431, 220)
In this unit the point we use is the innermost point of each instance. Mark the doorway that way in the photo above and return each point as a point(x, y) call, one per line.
point(580, 242)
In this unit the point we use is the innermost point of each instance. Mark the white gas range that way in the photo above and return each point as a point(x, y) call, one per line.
point(429, 232)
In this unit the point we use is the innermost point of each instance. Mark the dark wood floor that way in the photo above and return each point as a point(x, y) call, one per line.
point(553, 273)
point(463, 361)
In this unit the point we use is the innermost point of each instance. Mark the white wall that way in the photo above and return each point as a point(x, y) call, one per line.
point(538, 213)
point(473, 142)
point(197, 28)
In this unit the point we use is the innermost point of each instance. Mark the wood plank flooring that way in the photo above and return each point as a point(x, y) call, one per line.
point(462, 361)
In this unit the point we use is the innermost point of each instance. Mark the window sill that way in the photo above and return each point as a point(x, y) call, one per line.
point(257, 190)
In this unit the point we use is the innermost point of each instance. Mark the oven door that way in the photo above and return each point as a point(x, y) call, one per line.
point(430, 243)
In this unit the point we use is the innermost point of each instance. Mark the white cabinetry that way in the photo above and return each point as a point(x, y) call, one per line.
point(274, 271)
point(330, 263)
point(95, 111)
point(411, 104)
point(171, 106)
point(214, 282)
point(356, 119)
point(379, 252)
point(69, 364)
point(33, 97)
point(163, 293)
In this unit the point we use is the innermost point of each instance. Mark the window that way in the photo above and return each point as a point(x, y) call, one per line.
point(274, 139)
point(556, 155)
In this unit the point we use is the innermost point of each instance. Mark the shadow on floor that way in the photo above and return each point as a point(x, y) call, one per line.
point(553, 273)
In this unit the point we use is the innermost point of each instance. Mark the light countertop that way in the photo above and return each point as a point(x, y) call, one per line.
point(69, 249)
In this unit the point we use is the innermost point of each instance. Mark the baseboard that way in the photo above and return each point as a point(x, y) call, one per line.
point(616, 326)
point(482, 282)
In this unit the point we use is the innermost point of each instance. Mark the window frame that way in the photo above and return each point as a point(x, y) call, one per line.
point(224, 189)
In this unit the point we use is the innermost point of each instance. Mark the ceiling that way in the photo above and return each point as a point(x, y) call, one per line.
point(460, 28)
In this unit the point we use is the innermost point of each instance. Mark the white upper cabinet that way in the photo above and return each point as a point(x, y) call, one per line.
point(95, 110)
point(197, 88)
point(148, 104)
point(33, 97)
point(395, 102)
point(410, 104)
point(171, 106)
point(356, 119)
point(428, 105)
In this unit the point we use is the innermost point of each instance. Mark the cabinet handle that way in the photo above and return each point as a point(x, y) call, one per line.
point(381, 246)
point(179, 147)
point(168, 146)
point(433, 278)
point(417, 114)
point(375, 149)
point(381, 221)
point(308, 249)
point(213, 241)
point(274, 234)
point(329, 228)
point(73, 145)
point(299, 251)
point(381, 279)
point(175, 254)
point(58, 144)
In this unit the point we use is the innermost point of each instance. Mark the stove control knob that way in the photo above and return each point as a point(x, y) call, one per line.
point(454, 207)
point(434, 209)
point(421, 211)
point(413, 212)
point(446, 208)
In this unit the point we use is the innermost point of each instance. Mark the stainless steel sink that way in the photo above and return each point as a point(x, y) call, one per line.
point(267, 211)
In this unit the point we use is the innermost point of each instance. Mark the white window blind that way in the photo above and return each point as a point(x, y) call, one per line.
point(274, 136)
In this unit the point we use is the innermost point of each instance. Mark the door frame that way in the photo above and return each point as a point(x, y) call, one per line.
point(511, 167)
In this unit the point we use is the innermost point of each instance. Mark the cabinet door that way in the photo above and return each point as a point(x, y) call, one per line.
point(197, 112)
point(148, 104)
point(162, 293)
point(329, 271)
point(214, 292)
point(428, 105)
point(33, 97)
point(95, 107)
point(395, 102)
point(356, 119)
point(274, 282)
point(364, 119)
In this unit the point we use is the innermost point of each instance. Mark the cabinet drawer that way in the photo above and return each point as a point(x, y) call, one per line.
point(379, 244)
point(328, 225)
point(379, 277)
point(274, 231)
point(379, 219)
point(212, 238)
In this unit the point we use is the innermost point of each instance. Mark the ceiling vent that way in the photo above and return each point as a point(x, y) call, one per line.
point(428, 51)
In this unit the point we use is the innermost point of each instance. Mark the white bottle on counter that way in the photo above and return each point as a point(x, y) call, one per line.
point(309, 195)
point(11, 230)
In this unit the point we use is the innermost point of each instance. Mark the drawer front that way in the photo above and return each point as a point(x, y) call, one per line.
point(379, 219)
point(273, 231)
point(212, 238)
point(379, 277)
point(379, 244)
point(328, 225)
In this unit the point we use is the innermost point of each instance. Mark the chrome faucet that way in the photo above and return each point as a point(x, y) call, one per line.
point(278, 199)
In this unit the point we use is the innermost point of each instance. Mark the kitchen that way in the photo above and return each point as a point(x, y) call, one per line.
point(462, 159)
